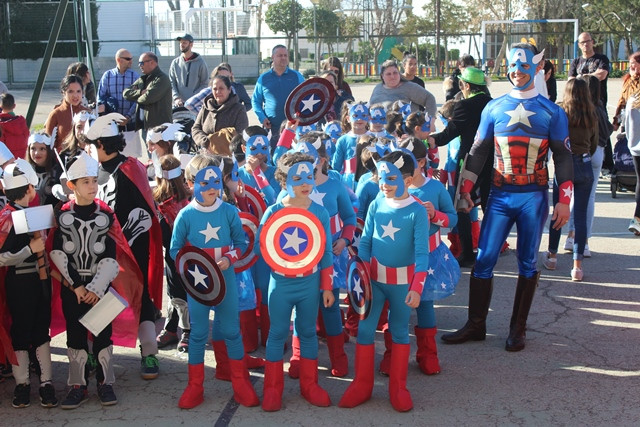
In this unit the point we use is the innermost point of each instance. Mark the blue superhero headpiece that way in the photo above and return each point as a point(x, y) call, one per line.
point(378, 115)
point(333, 129)
point(524, 61)
point(310, 149)
point(390, 174)
point(404, 109)
point(379, 148)
point(257, 144)
point(235, 176)
point(299, 174)
point(302, 130)
point(206, 179)
point(359, 112)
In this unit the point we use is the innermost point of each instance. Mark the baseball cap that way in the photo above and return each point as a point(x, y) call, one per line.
point(185, 36)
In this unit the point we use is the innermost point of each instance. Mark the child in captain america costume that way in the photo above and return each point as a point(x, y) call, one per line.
point(344, 158)
point(377, 121)
point(256, 173)
point(295, 171)
point(214, 226)
point(394, 249)
point(523, 126)
point(333, 196)
point(334, 130)
point(444, 271)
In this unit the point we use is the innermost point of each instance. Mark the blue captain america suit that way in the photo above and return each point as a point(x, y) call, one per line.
point(216, 226)
point(522, 126)
point(344, 159)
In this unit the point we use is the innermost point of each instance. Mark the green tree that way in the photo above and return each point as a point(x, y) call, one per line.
point(285, 16)
point(327, 24)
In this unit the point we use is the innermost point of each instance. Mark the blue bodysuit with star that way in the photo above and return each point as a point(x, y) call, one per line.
point(301, 293)
point(522, 127)
point(394, 233)
point(444, 271)
point(215, 226)
point(345, 151)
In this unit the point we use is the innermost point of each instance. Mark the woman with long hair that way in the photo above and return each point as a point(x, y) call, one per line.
point(583, 134)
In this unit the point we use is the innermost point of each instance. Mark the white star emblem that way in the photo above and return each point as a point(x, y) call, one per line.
point(446, 257)
point(356, 241)
point(568, 192)
point(242, 284)
point(198, 277)
point(210, 233)
point(443, 285)
point(389, 230)
point(430, 271)
point(317, 197)
point(439, 222)
point(293, 240)
point(519, 115)
point(309, 103)
point(357, 288)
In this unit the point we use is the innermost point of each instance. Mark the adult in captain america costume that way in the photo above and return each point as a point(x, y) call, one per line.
point(395, 250)
point(522, 126)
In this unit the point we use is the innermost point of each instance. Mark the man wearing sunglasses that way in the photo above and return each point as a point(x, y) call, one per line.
point(152, 92)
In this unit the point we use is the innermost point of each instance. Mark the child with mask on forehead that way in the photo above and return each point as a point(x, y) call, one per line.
point(344, 158)
point(296, 173)
point(209, 223)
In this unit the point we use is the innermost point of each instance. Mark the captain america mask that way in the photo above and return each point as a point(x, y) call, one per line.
point(524, 61)
point(359, 112)
point(299, 174)
point(378, 116)
point(307, 148)
point(209, 178)
point(390, 175)
point(333, 130)
point(257, 144)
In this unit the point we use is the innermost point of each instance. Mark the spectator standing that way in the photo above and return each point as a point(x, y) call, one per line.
point(410, 66)
point(15, 132)
point(194, 104)
point(334, 65)
point(550, 78)
point(188, 72)
point(81, 70)
point(271, 92)
point(152, 92)
point(62, 115)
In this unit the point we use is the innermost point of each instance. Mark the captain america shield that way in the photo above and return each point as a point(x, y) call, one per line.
point(310, 101)
point(200, 275)
point(250, 226)
point(357, 234)
point(256, 202)
point(359, 287)
point(292, 241)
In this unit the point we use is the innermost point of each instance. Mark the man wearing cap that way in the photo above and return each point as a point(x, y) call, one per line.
point(272, 89)
point(188, 72)
point(152, 92)
point(464, 123)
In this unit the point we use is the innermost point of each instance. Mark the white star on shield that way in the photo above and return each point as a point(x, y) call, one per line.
point(293, 240)
point(309, 103)
point(198, 277)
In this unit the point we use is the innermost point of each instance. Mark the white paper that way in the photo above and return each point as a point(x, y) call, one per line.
point(103, 313)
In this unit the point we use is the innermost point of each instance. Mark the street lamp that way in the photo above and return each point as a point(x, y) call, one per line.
point(315, 34)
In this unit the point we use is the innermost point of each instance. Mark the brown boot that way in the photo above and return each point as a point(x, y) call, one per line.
point(475, 329)
point(525, 290)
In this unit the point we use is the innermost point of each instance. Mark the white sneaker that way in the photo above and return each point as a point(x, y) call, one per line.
point(568, 244)
point(550, 263)
point(577, 274)
point(634, 227)
point(587, 252)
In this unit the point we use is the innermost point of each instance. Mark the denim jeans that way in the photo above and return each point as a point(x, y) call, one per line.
point(596, 167)
point(582, 183)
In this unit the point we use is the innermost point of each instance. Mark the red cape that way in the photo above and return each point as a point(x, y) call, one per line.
point(128, 284)
point(137, 173)
point(6, 224)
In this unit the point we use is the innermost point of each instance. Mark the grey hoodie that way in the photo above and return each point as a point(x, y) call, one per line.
point(188, 77)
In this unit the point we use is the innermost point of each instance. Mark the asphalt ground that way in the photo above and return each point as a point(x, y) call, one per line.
point(580, 366)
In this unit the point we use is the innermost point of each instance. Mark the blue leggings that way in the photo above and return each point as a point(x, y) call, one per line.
point(529, 212)
point(331, 316)
point(399, 313)
point(226, 324)
point(426, 315)
point(285, 294)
